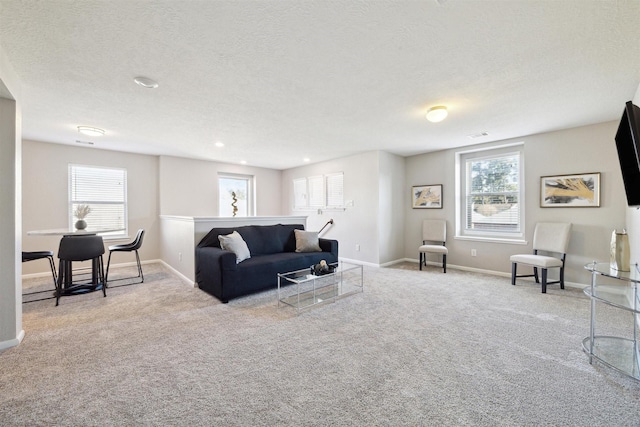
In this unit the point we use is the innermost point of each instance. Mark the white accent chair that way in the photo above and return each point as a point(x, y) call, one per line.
point(434, 236)
point(552, 238)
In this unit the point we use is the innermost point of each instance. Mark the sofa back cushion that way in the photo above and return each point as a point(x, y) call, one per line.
point(261, 239)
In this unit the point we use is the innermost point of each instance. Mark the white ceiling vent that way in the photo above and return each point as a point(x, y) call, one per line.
point(478, 135)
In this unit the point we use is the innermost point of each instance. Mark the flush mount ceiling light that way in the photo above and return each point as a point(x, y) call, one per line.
point(90, 131)
point(219, 144)
point(146, 82)
point(437, 114)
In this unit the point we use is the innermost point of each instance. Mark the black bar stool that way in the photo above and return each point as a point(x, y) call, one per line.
point(80, 248)
point(35, 255)
point(129, 247)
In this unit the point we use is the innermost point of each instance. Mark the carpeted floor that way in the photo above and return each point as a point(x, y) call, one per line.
point(415, 348)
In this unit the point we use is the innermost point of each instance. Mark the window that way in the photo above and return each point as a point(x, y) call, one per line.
point(335, 190)
point(491, 202)
point(104, 190)
point(235, 195)
point(319, 192)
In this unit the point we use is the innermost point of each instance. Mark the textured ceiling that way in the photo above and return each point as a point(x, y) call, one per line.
point(277, 81)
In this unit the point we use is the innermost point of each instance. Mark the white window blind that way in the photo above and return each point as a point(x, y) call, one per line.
point(104, 190)
point(335, 190)
point(316, 191)
point(319, 192)
point(300, 193)
point(493, 194)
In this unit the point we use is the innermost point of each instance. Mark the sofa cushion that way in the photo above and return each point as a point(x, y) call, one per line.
point(307, 241)
point(235, 243)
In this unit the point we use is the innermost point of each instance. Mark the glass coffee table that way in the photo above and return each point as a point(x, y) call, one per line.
point(301, 289)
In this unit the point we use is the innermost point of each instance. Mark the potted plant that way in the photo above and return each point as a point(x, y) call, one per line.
point(81, 212)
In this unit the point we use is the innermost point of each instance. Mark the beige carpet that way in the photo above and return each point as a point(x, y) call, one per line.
point(416, 348)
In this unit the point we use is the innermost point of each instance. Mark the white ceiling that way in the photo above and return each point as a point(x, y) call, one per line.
point(277, 81)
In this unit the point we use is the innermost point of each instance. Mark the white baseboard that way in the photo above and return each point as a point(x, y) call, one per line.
point(180, 275)
point(491, 272)
point(358, 262)
point(124, 264)
point(12, 343)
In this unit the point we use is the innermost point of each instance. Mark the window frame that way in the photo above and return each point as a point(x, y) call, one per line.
point(71, 200)
point(461, 177)
point(313, 192)
point(251, 194)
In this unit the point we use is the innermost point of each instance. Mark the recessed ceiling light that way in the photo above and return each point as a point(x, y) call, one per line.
point(219, 144)
point(146, 82)
point(306, 160)
point(91, 131)
point(437, 113)
point(243, 162)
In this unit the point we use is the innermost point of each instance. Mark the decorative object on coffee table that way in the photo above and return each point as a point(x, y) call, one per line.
point(322, 268)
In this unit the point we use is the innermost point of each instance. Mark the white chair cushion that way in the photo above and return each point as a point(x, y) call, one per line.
point(438, 249)
point(537, 260)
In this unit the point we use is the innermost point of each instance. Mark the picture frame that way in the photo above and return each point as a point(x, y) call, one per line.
point(426, 196)
point(570, 191)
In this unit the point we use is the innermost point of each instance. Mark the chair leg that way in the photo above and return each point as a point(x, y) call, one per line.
point(444, 262)
point(52, 264)
point(106, 276)
point(535, 274)
point(102, 276)
point(59, 282)
point(139, 266)
point(544, 280)
point(561, 277)
point(514, 268)
point(421, 255)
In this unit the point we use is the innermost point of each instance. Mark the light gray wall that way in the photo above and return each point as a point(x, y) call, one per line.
point(189, 187)
point(45, 195)
point(11, 332)
point(373, 182)
point(579, 150)
point(392, 200)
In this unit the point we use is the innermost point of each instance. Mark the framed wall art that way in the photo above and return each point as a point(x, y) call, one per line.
point(570, 191)
point(426, 196)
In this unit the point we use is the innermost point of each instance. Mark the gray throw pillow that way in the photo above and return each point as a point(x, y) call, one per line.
point(307, 241)
point(235, 243)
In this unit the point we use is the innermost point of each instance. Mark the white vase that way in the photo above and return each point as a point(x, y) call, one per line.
point(619, 255)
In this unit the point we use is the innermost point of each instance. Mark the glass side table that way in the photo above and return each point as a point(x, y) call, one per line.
point(619, 353)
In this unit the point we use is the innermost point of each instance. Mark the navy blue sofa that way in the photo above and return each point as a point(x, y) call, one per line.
point(272, 250)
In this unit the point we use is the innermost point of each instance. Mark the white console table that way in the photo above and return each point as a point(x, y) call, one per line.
point(621, 354)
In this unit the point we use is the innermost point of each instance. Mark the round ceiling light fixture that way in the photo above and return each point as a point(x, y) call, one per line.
point(90, 131)
point(437, 114)
point(146, 82)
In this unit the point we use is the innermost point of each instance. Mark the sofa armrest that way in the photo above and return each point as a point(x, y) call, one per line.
point(210, 263)
point(329, 245)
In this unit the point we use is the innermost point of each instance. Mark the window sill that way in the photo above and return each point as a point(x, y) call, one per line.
point(492, 240)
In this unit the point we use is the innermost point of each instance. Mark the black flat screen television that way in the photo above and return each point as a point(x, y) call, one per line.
point(627, 143)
